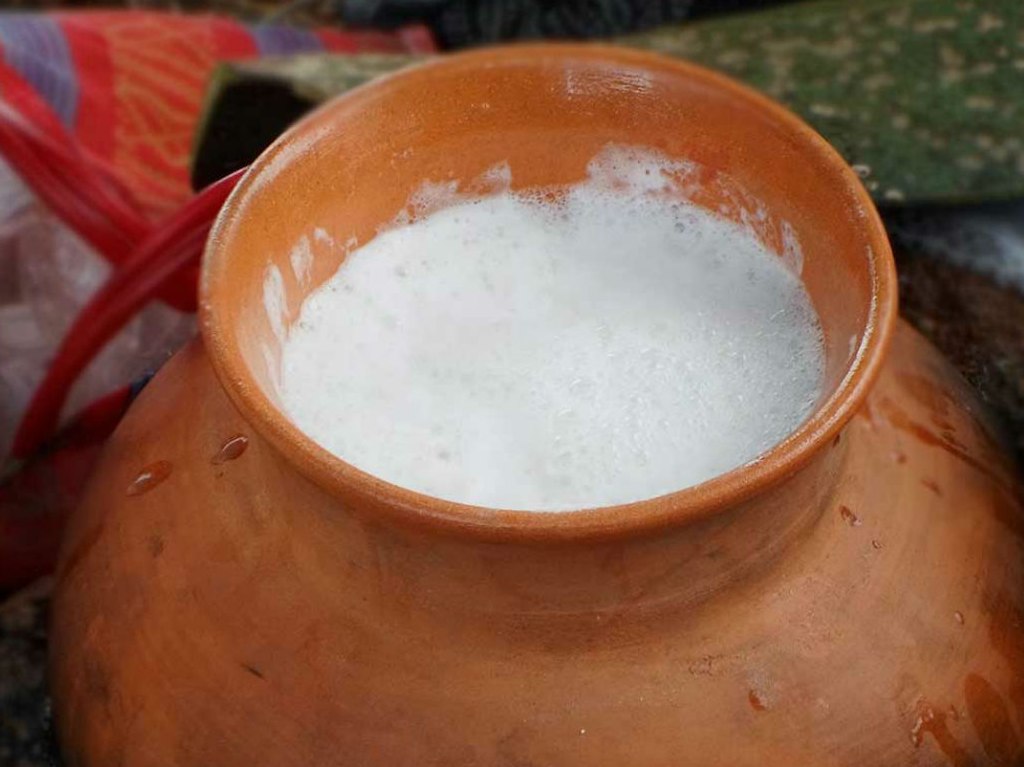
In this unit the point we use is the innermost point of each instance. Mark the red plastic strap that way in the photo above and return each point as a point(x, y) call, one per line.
point(174, 248)
point(88, 200)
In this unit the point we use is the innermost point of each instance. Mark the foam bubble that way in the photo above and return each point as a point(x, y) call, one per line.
point(557, 349)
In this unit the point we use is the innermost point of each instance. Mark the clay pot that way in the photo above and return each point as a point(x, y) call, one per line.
point(231, 594)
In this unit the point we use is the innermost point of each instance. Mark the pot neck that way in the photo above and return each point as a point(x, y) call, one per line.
point(681, 564)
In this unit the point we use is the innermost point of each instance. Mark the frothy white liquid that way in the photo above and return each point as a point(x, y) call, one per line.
point(516, 353)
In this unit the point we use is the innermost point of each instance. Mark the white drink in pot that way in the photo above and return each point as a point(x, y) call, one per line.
point(603, 345)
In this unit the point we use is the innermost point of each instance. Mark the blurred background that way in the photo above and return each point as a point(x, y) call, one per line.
point(122, 124)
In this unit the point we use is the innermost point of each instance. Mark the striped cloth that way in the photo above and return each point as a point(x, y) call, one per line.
point(129, 85)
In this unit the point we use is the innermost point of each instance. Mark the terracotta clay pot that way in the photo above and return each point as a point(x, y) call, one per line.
point(231, 594)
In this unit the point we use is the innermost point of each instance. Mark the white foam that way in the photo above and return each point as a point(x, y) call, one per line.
point(301, 258)
point(274, 300)
point(512, 352)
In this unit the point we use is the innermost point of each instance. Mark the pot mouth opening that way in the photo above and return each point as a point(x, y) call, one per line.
point(248, 219)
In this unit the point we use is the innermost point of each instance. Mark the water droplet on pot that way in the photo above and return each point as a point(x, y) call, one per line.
point(150, 476)
point(848, 516)
point(756, 701)
point(924, 723)
point(231, 449)
point(931, 721)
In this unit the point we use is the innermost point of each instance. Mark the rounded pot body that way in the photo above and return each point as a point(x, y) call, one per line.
point(231, 594)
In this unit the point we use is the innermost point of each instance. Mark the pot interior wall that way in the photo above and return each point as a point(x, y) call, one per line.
point(352, 167)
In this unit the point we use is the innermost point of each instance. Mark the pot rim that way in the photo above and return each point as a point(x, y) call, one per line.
point(361, 490)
